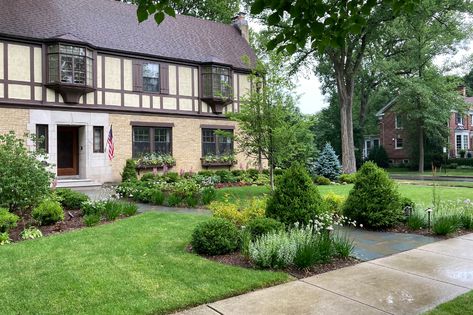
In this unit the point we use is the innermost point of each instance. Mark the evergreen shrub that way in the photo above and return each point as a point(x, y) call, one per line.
point(374, 201)
point(215, 237)
point(327, 164)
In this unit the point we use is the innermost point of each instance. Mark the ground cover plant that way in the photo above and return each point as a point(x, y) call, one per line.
point(134, 266)
point(460, 306)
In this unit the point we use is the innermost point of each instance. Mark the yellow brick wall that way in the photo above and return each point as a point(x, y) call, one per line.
point(14, 119)
point(186, 137)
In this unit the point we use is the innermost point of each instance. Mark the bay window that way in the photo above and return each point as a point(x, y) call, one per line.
point(216, 87)
point(70, 64)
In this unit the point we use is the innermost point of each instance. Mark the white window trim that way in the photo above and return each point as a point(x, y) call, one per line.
point(396, 122)
point(463, 145)
point(396, 146)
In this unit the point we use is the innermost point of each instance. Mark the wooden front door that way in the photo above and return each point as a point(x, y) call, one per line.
point(67, 151)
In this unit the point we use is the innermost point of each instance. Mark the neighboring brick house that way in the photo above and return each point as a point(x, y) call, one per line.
point(392, 135)
point(71, 69)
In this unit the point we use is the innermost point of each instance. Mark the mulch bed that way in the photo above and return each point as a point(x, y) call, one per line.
point(72, 221)
point(237, 259)
point(402, 228)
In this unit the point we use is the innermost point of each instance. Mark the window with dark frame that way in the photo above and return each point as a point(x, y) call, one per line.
point(399, 143)
point(42, 138)
point(151, 82)
point(98, 139)
point(216, 144)
point(216, 82)
point(70, 64)
point(151, 140)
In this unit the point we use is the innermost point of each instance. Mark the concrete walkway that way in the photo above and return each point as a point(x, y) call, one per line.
point(410, 282)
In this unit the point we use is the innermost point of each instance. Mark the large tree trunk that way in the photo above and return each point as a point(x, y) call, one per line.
point(421, 149)
point(345, 94)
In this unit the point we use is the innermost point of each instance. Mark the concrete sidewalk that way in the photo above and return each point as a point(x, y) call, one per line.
point(410, 282)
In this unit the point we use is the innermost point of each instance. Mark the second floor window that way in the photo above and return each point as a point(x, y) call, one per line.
point(399, 143)
point(458, 119)
point(216, 82)
point(398, 121)
point(151, 140)
point(151, 77)
point(70, 64)
point(217, 142)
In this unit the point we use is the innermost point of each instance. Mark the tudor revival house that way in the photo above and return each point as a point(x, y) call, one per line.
point(393, 137)
point(71, 69)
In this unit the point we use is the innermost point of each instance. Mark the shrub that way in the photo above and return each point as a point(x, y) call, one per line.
point(70, 199)
point(174, 200)
point(112, 209)
point(260, 226)
point(226, 176)
point(374, 200)
point(192, 201)
point(24, 179)
point(228, 211)
point(129, 209)
point(327, 164)
point(334, 203)
point(320, 180)
point(379, 156)
point(215, 237)
point(129, 171)
point(8, 220)
point(148, 177)
point(4, 238)
point(295, 199)
point(144, 194)
point(252, 173)
point(254, 208)
point(171, 177)
point(273, 250)
point(157, 197)
point(347, 178)
point(407, 202)
point(209, 194)
point(91, 219)
point(206, 173)
point(31, 233)
point(445, 225)
point(48, 212)
point(93, 208)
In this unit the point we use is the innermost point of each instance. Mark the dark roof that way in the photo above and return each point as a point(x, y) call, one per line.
point(113, 25)
point(393, 102)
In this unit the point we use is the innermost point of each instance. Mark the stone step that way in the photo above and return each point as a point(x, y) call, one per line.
point(77, 183)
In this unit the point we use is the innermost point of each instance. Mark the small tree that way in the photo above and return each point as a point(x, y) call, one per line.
point(24, 179)
point(129, 171)
point(379, 156)
point(296, 199)
point(327, 164)
point(374, 201)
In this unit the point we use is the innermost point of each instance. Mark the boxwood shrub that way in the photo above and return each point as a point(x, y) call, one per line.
point(70, 199)
point(260, 226)
point(8, 220)
point(49, 211)
point(374, 200)
point(215, 237)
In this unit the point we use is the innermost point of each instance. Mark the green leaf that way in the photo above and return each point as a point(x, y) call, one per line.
point(274, 19)
point(291, 48)
point(272, 44)
point(170, 11)
point(159, 17)
point(142, 14)
point(257, 7)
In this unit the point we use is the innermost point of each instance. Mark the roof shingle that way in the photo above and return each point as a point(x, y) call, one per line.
point(110, 24)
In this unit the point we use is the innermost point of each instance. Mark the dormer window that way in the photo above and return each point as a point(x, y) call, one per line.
point(70, 70)
point(217, 87)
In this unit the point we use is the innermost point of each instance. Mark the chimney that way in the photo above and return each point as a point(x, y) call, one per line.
point(241, 24)
point(462, 90)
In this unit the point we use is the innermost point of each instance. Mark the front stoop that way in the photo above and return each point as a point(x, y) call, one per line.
point(77, 183)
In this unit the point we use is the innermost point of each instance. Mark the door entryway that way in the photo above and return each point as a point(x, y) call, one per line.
point(67, 151)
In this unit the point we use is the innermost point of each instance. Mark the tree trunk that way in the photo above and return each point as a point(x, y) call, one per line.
point(421, 149)
point(260, 161)
point(345, 95)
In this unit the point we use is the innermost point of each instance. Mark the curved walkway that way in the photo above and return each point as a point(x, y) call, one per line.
point(410, 282)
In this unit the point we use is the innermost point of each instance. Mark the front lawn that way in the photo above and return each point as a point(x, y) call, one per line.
point(137, 265)
point(460, 306)
point(418, 193)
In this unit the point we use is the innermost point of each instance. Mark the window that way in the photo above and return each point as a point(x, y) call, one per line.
point(42, 138)
point(217, 142)
point(462, 142)
point(151, 77)
point(70, 64)
point(376, 143)
point(216, 82)
point(98, 139)
point(151, 140)
point(458, 119)
point(399, 143)
point(398, 121)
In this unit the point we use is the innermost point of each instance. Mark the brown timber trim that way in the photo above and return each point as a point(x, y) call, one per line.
point(110, 109)
point(177, 87)
point(45, 69)
point(151, 124)
point(204, 126)
point(122, 83)
point(103, 79)
point(32, 73)
point(193, 89)
point(5, 72)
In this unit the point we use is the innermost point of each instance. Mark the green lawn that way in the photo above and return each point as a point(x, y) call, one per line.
point(450, 172)
point(462, 305)
point(133, 266)
point(418, 193)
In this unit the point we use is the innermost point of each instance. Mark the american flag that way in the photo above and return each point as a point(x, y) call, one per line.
point(110, 145)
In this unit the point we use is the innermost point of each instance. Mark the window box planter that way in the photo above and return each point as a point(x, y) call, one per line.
point(155, 161)
point(215, 161)
point(209, 164)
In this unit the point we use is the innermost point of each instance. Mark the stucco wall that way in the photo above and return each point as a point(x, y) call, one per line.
point(186, 142)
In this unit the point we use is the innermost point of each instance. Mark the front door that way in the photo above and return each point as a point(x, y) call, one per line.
point(67, 151)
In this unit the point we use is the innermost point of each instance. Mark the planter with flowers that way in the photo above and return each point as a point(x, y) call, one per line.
point(218, 160)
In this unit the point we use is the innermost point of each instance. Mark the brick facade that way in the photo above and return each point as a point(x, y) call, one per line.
point(389, 134)
point(12, 119)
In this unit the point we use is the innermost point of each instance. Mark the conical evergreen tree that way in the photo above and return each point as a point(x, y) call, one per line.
point(327, 164)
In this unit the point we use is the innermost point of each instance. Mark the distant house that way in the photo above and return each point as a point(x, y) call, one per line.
point(72, 69)
point(393, 137)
